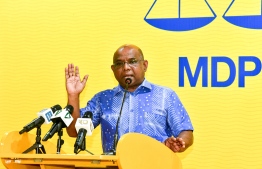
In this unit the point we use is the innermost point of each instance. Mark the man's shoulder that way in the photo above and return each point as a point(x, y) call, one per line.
point(160, 87)
point(106, 92)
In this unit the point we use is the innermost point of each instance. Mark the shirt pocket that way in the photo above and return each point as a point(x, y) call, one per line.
point(156, 117)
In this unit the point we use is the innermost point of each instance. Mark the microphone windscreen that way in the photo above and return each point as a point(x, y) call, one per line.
point(56, 107)
point(88, 114)
point(128, 81)
point(69, 108)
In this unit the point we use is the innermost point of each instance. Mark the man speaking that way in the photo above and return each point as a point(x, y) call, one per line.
point(135, 105)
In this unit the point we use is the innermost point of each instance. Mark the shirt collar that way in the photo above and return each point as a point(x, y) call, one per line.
point(146, 85)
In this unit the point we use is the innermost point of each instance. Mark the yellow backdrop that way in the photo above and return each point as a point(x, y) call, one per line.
point(39, 38)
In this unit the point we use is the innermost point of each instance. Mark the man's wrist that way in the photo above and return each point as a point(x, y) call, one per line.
point(73, 96)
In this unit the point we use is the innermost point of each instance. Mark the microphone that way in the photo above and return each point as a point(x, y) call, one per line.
point(128, 82)
point(84, 126)
point(60, 119)
point(44, 116)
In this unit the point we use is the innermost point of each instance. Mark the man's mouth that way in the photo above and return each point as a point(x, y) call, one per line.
point(128, 76)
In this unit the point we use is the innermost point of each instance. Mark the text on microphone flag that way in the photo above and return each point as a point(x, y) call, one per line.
point(46, 115)
point(68, 116)
point(57, 112)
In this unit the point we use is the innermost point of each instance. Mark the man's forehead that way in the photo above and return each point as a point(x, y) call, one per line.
point(126, 52)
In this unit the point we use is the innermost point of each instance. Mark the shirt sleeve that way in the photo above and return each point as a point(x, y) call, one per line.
point(177, 118)
point(93, 106)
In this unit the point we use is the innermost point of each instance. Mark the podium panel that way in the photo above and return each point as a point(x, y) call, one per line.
point(13, 145)
point(134, 151)
point(58, 161)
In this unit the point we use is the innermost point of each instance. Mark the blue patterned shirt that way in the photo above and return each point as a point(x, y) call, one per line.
point(151, 109)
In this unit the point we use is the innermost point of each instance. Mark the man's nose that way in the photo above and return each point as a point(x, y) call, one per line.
point(126, 66)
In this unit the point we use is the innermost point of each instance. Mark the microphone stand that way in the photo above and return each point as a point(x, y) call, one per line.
point(82, 147)
point(60, 141)
point(39, 148)
point(113, 151)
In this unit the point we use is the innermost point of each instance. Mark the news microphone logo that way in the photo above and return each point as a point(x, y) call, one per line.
point(47, 114)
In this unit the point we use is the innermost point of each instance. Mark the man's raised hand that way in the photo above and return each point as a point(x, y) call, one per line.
point(74, 85)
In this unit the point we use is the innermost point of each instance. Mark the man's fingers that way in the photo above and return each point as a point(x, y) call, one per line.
point(71, 70)
point(77, 71)
point(66, 73)
point(85, 79)
point(175, 148)
point(182, 142)
point(175, 144)
point(171, 140)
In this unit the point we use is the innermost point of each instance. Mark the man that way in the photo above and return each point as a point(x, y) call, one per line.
point(150, 109)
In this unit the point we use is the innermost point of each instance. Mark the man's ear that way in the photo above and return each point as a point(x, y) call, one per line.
point(112, 67)
point(145, 65)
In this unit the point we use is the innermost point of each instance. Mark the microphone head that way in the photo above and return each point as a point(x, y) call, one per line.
point(84, 123)
point(63, 116)
point(69, 108)
point(56, 107)
point(88, 114)
point(48, 113)
point(128, 81)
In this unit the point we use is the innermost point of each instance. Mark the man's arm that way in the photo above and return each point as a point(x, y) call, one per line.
point(179, 144)
point(74, 101)
point(74, 86)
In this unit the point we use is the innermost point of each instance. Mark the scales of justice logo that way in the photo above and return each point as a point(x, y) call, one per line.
point(180, 23)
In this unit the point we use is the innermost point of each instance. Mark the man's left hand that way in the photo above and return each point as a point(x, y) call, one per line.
point(175, 144)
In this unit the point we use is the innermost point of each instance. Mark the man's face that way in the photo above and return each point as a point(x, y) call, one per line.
point(128, 63)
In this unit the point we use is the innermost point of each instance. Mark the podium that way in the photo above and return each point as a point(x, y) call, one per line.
point(134, 151)
point(138, 151)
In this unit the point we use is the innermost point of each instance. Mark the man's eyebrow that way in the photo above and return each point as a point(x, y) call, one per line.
point(118, 60)
point(122, 60)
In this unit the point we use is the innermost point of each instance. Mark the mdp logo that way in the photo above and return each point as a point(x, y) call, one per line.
point(191, 23)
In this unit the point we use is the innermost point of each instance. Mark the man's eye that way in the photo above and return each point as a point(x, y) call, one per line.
point(118, 64)
point(133, 62)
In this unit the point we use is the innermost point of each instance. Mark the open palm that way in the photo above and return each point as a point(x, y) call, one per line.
point(74, 85)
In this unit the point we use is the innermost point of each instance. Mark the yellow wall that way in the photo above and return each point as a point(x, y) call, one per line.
point(39, 38)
